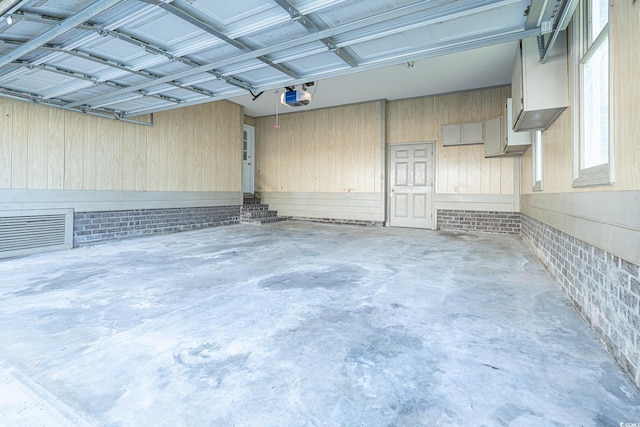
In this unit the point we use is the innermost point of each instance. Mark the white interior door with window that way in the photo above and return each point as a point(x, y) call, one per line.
point(248, 153)
point(411, 185)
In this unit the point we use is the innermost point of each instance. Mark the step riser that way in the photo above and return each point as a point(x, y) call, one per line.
point(259, 214)
point(270, 220)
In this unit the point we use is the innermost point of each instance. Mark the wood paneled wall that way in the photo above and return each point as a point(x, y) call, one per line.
point(330, 150)
point(557, 139)
point(625, 54)
point(463, 169)
point(190, 149)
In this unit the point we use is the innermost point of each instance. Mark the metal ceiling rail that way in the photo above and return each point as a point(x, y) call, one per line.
point(67, 25)
point(421, 22)
point(444, 49)
point(142, 73)
point(181, 10)
point(93, 80)
point(9, 6)
point(106, 62)
point(120, 36)
point(560, 24)
point(437, 10)
point(305, 20)
point(107, 114)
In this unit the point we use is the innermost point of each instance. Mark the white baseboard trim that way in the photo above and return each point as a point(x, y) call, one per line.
point(350, 206)
point(476, 202)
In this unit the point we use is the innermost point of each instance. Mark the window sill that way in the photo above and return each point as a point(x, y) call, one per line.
point(594, 177)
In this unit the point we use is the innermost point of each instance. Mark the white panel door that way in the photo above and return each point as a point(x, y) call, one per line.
point(411, 185)
point(248, 164)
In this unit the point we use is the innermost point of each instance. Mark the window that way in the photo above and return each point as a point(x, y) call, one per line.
point(592, 141)
point(537, 160)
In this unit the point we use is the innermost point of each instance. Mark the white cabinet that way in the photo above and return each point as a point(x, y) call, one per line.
point(501, 140)
point(463, 134)
point(494, 131)
point(540, 92)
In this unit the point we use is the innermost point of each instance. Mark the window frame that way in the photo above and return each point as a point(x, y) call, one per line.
point(536, 151)
point(582, 49)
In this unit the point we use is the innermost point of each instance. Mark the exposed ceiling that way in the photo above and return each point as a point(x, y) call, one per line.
point(125, 58)
point(477, 68)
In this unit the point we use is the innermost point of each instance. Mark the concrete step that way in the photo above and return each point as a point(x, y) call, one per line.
point(254, 207)
point(253, 211)
point(258, 214)
point(263, 221)
point(252, 200)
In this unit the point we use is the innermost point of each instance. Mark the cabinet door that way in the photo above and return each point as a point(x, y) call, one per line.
point(472, 133)
point(517, 87)
point(493, 137)
point(451, 135)
point(514, 142)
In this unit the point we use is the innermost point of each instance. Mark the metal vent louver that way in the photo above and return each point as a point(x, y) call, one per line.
point(26, 232)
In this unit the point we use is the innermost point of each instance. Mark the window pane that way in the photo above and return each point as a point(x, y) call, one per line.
point(599, 15)
point(537, 158)
point(595, 107)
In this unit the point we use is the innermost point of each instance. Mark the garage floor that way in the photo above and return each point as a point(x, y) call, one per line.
point(298, 324)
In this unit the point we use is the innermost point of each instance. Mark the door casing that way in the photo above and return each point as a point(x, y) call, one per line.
point(248, 159)
point(429, 222)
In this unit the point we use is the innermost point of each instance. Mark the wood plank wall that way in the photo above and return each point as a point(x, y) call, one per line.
point(190, 149)
point(625, 54)
point(334, 150)
point(557, 139)
point(329, 150)
point(463, 169)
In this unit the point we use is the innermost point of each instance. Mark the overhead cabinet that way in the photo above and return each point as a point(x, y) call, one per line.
point(501, 140)
point(540, 91)
point(463, 134)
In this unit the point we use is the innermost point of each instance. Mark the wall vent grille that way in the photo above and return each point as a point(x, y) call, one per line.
point(32, 231)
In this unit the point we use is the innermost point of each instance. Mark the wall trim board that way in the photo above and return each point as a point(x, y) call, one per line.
point(608, 220)
point(91, 201)
point(383, 161)
point(343, 205)
point(475, 202)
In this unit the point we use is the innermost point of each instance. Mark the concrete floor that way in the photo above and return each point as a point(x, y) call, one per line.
point(298, 324)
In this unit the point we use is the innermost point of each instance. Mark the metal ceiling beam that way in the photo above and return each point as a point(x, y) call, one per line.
point(421, 7)
point(560, 23)
point(8, 6)
point(142, 73)
point(67, 25)
point(433, 51)
point(106, 62)
point(91, 79)
point(305, 20)
point(181, 10)
point(107, 114)
point(419, 22)
point(535, 13)
point(134, 41)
